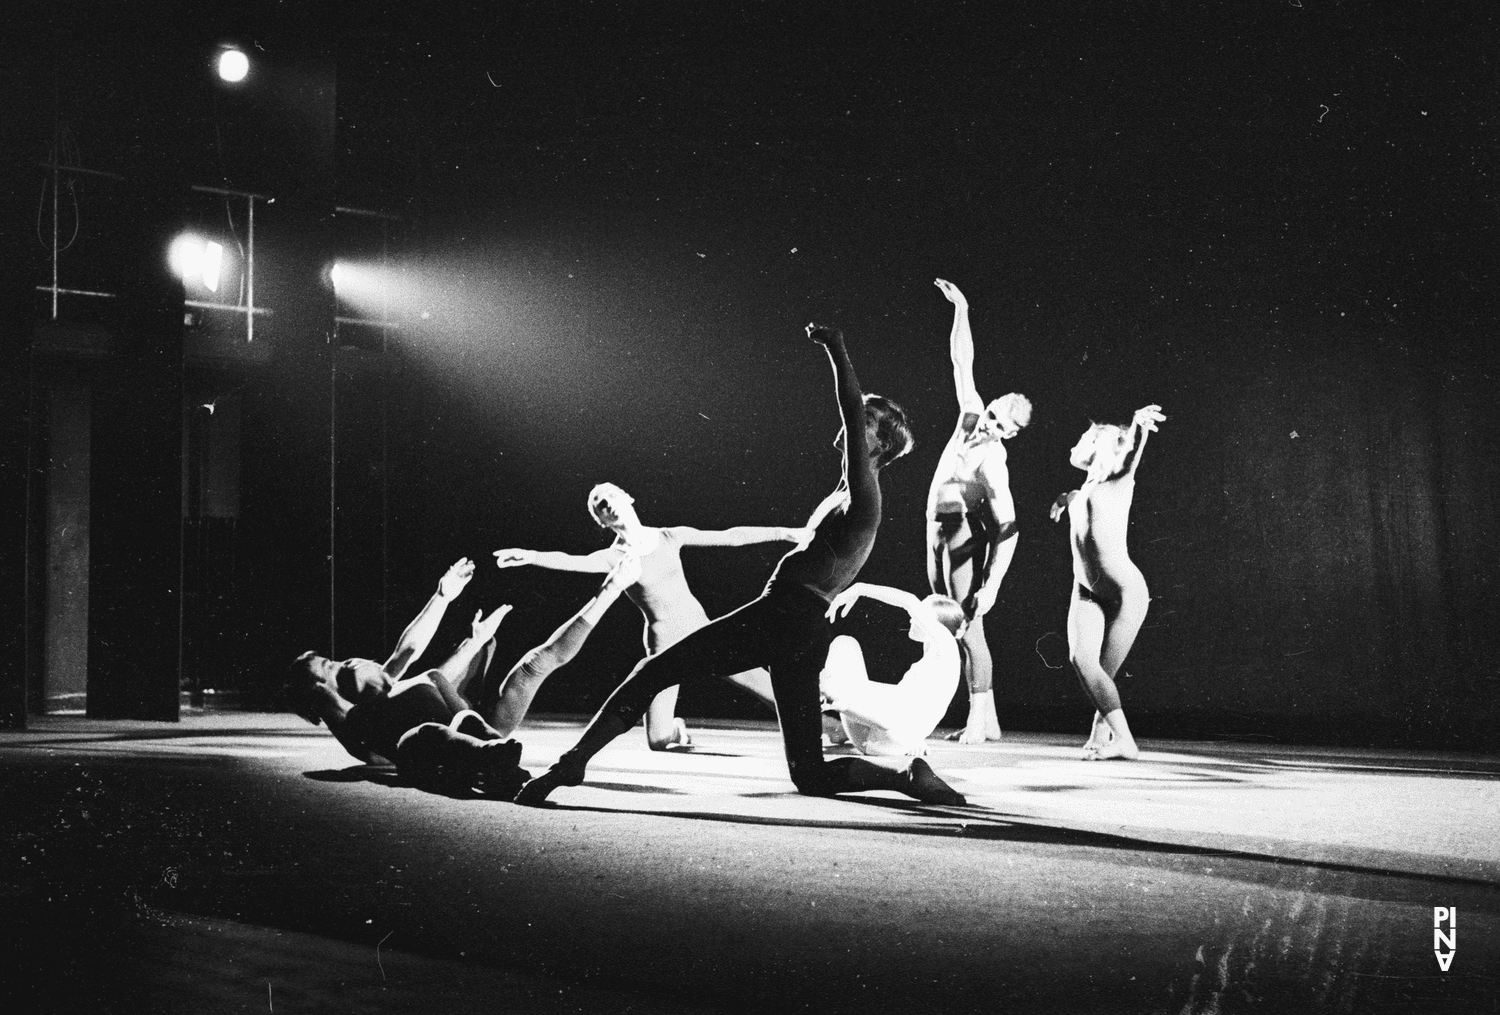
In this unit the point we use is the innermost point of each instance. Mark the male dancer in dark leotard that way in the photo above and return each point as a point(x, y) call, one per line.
point(786, 629)
point(971, 519)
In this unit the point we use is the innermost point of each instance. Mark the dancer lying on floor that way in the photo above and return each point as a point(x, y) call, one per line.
point(971, 519)
point(419, 722)
point(670, 609)
point(893, 719)
point(1109, 598)
point(786, 629)
point(426, 724)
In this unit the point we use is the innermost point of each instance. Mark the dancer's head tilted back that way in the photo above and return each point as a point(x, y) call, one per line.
point(1099, 450)
point(612, 507)
point(888, 428)
point(353, 679)
point(1005, 417)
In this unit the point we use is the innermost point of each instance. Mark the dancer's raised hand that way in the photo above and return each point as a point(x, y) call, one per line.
point(456, 578)
point(951, 291)
point(1146, 418)
point(483, 628)
point(824, 335)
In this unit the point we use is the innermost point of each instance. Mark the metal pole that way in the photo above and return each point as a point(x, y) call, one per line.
point(333, 472)
point(250, 275)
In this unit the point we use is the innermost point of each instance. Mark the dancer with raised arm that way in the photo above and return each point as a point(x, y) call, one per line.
point(894, 719)
point(971, 519)
point(356, 676)
point(786, 629)
point(670, 609)
point(1109, 599)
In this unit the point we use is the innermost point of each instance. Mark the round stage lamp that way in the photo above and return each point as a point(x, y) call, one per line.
point(233, 65)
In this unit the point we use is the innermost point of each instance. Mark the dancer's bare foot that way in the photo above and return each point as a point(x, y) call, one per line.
point(1099, 734)
point(983, 725)
point(1115, 750)
point(535, 792)
point(680, 735)
point(927, 786)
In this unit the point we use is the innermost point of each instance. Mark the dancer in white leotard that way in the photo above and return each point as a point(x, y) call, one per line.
point(670, 609)
point(894, 719)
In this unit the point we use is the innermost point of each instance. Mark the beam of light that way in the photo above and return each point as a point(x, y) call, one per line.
point(233, 65)
point(213, 260)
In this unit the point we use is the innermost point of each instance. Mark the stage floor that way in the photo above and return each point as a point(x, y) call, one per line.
point(243, 862)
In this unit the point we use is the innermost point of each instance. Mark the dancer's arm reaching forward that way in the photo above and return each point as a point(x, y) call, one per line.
point(738, 535)
point(598, 562)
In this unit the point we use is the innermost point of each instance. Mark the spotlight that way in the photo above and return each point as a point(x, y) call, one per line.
point(186, 256)
point(213, 260)
point(233, 65)
point(336, 275)
point(198, 261)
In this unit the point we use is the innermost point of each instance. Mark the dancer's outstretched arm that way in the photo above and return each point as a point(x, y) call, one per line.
point(961, 350)
point(738, 535)
point(1140, 427)
point(598, 562)
point(418, 634)
point(1060, 505)
point(920, 612)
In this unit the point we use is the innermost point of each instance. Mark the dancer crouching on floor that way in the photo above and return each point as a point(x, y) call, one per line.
point(786, 629)
point(893, 719)
point(1109, 593)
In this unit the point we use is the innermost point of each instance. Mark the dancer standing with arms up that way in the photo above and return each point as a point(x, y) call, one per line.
point(1109, 593)
point(661, 591)
point(971, 519)
point(786, 629)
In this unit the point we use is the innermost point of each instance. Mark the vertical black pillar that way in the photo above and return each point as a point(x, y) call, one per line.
point(135, 591)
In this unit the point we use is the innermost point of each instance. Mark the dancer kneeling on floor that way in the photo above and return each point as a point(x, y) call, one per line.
point(660, 590)
point(893, 719)
point(786, 629)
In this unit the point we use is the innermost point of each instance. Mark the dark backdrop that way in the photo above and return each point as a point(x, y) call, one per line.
point(1275, 220)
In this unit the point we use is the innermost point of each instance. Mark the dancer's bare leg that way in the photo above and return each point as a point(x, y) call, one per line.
point(758, 683)
point(1119, 635)
point(663, 729)
point(506, 705)
point(1086, 628)
point(979, 670)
